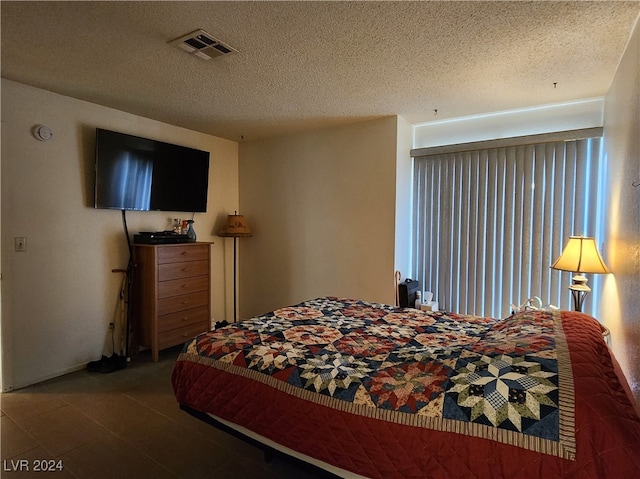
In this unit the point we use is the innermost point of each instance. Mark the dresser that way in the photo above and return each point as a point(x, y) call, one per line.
point(171, 294)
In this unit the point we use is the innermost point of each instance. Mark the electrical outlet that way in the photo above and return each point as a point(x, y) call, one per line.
point(20, 243)
point(111, 326)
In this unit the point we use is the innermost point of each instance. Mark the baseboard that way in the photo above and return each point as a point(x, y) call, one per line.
point(46, 377)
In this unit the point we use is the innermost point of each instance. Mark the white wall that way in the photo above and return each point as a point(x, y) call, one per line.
point(404, 198)
point(507, 124)
point(620, 308)
point(59, 296)
point(322, 208)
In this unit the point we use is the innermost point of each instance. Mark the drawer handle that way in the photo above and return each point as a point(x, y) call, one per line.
point(184, 252)
point(185, 285)
point(186, 318)
point(185, 302)
point(184, 335)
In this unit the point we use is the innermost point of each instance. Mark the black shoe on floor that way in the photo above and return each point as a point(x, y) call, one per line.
point(107, 364)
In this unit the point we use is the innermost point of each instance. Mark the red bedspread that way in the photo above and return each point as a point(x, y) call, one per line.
point(600, 425)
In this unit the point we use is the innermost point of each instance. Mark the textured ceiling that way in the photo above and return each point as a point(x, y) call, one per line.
point(309, 64)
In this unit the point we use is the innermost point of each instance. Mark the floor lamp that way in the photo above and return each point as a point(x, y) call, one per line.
point(580, 256)
point(235, 227)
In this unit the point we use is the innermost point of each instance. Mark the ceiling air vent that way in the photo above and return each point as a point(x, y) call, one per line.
point(203, 45)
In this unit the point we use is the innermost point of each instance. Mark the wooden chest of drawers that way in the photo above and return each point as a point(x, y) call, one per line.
point(171, 293)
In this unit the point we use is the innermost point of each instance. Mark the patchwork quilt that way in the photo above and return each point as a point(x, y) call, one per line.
point(508, 382)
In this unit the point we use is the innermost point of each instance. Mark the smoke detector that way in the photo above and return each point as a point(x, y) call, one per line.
point(202, 45)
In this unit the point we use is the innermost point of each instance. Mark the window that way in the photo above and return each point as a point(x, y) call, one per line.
point(490, 218)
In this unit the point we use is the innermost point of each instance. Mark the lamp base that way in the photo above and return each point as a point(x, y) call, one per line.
point(579, 291)
point(578, 299)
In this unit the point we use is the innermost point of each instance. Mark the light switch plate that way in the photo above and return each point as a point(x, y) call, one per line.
point(20, 243)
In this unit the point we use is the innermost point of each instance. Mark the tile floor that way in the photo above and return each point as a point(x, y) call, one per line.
point(125, 424)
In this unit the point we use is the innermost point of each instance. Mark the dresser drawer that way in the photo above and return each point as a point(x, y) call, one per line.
point(181, 253)
point(186, 269)
point(182, 302)
point(176, 287)
point(180, 319)
point(180, 335)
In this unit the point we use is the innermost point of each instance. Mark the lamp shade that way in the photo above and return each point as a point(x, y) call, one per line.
point(235, 226)
point(581, 255)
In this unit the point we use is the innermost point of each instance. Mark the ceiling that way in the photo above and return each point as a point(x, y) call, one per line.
point(308, 64)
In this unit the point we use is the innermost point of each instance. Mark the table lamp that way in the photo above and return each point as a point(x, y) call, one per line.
point(580, 256)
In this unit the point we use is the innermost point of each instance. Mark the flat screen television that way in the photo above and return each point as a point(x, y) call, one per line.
point(134, 173)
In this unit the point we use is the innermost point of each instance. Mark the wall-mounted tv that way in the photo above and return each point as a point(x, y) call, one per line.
point(134, 173)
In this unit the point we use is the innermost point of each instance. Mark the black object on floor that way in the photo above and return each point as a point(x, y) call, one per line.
point(106, 364)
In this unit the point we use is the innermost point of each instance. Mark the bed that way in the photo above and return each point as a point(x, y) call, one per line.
point(370, 390)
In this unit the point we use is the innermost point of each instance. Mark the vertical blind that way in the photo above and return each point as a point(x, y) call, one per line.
point(488, 223)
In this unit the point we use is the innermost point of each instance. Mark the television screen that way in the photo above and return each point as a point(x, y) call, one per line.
point(134, 173)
